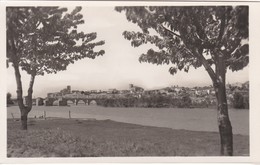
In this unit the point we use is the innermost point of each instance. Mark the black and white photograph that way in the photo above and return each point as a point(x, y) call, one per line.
point(138, 80)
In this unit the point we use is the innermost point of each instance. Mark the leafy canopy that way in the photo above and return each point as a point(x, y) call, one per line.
point(191, 36)
point(45, 39)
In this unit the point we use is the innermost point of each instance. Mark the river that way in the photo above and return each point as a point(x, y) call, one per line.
point(196, 119)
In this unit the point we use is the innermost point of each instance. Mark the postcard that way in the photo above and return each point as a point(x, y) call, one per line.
point(129, 81)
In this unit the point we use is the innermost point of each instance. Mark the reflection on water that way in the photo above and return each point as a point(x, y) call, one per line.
point(177, 118)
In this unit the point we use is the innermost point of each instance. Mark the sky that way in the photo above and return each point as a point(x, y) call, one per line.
point(118, 67)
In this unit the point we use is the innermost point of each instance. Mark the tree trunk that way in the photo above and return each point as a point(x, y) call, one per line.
point(24, 120)
point(24, 110)
point(224, 125)
point(19, 92)
point(30, 92)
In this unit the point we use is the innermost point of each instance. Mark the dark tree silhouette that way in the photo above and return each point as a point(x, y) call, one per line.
point(214, 37)
point(238, 101)
point(8, 98)
point(44, 40)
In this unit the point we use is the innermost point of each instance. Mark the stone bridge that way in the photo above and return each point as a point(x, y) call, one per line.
point(63, 101)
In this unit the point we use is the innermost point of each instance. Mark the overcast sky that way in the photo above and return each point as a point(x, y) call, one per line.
point(118, 67)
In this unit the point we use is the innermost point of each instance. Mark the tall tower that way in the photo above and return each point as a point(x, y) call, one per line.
point(69, 89)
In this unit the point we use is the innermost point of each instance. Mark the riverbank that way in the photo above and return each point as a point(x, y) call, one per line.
point(56, 137)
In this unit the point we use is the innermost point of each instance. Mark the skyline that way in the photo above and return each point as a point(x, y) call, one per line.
point(119, 66)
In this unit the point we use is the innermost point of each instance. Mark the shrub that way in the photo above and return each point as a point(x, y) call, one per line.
point(238, 101)
point(8, 98)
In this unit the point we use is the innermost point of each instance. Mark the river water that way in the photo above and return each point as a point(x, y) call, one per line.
point(196, 119)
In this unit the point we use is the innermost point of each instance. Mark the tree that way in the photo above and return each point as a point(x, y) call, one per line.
point(186, 101)
point(8, 98)
point(44, 40)
point(213, 37)
point(238, 101)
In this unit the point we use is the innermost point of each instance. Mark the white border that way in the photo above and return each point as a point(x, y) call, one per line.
point(254, 36)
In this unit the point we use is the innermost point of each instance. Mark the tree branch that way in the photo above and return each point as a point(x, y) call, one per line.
point(37, 24)
point(19, 90)
point(30, 91)
point(200, 32)
point(222, 26)
point(206, 65)
point(173, 33)
point(12, 45)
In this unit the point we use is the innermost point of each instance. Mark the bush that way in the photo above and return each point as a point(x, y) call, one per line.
point(148, 101)
point(238, 101)
point(246, 102)
point(8, 98)
point(185, 102)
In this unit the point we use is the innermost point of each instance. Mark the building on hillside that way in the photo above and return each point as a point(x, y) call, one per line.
point(124, 91)
point(191, 92)
point(76, 91)
point(164, 91)
point(177, 89)
point(93, 91)
point(54, 95)
point(240, 85)
point(112, 91)
point(135, 89)
point(151, 92)
point(66, 90)
point(201, 92)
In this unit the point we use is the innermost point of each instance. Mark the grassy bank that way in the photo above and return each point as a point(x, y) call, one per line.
point(84, 138)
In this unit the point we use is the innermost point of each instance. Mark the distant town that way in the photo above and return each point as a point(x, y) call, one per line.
point(197, 95)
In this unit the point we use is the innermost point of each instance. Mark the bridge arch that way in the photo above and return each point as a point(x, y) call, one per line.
point(55, 102)
point(49, 101)
point(81, 101)
point(92, 102)
point(70, 102)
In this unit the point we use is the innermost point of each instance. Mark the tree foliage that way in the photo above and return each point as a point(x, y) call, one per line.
point(182, 31)
point(46, 40)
